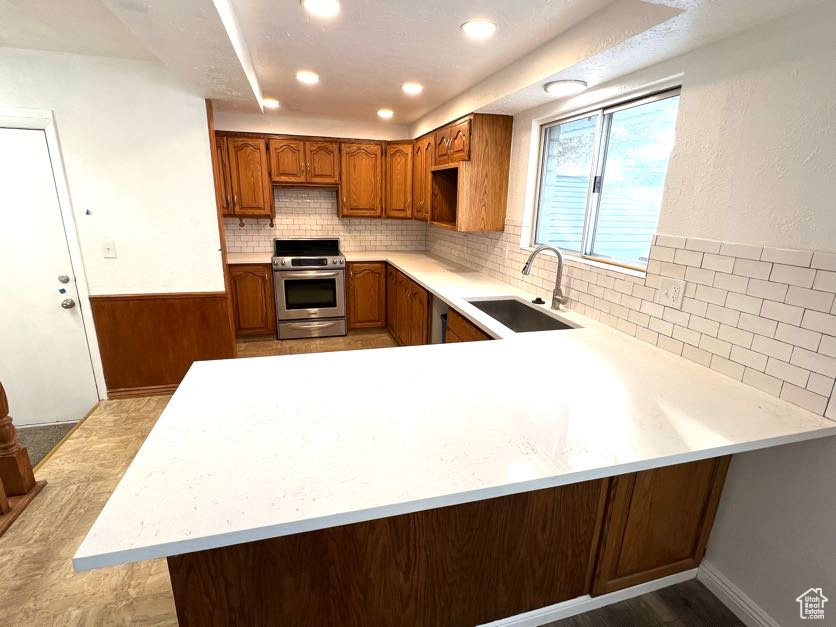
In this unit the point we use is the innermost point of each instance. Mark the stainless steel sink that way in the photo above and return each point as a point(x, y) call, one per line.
point(520, 316)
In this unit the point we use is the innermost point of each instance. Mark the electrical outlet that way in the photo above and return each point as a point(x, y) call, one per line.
point(671, 292)
point(109, 249)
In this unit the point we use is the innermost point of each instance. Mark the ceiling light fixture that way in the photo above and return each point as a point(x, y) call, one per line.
point(307, 77)
point(561, 89)
point(322, 8)
point(478, 30)
point(386, 114)
point(412, 89)
point(270, 103)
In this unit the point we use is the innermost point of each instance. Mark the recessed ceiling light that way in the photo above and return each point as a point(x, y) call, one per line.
point(307, 77)
point(564, 88)
point(479, 29)
point(269, 103)
point(322, 8)
point(411, 88)
point(386, 114)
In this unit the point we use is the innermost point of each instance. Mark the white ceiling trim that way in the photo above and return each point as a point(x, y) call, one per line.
point(239, 45)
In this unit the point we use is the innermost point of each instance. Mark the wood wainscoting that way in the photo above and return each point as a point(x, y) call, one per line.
point(149, 341)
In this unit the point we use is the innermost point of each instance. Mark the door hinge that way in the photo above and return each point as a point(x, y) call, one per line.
point(596, 185)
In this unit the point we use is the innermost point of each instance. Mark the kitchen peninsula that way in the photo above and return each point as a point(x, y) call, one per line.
point(442, 484)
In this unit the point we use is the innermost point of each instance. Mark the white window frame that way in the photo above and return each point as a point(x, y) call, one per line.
point(597, 163)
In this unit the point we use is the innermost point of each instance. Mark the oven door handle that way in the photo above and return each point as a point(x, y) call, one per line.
point(290, 275)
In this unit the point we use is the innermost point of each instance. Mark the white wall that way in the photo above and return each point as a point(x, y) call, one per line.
point(754, 161)
point(136, 150)
point(281, 122)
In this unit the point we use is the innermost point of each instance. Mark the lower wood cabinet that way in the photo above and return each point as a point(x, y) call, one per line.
point(407, 309)
point(657, 522)
point(366, 295)
point(253, 302)
point(460, 329)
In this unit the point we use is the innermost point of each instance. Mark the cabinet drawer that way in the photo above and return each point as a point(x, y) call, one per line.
point(463, 329)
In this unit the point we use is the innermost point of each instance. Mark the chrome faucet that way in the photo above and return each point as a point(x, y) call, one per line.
point(557, 296)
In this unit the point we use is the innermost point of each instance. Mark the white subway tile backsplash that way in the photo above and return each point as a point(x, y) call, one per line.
point(793, 275)
point(788, 256)
point(753, 313)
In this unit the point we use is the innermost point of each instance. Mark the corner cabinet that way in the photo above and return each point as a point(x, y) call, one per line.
point(252, 194)
point(657, 522)
point(422, 163)
point(469, 181)
point(361, 190)
point(253, 300)
point(366, 297)
point(398, 180)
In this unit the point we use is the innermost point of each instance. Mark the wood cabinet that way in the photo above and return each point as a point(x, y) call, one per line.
point(398, 180)
point(469, 182)
point(460, 329)
point(422, 163)
point(657, 522)
point(223, 186)
point(361, 191)
point(252, 194)
point(407, 309)
point(297, 161)
point(253, 302)
point(366, 296)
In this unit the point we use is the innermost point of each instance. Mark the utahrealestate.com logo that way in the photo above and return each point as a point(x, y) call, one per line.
point(811, 604)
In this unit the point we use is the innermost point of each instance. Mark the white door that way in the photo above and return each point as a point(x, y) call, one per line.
point(45, 365)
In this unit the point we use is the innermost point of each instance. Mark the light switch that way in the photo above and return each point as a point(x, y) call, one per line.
point(671, 292)
point(109, 249)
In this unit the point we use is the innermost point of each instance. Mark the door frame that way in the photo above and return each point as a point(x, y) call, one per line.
point(44, 120)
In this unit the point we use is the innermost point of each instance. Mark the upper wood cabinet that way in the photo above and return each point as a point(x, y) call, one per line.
point(361, 190)
point(252, 194)
point(253, 303)
point(422, 163)
point(657, 522)
point(304, 162)
point(469, 188)
point(398, 180)
point(287, 160)
point(366, 296)
point(223, 186)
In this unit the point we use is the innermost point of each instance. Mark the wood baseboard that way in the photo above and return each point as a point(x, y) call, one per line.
point(148, 390)
point(18, 504)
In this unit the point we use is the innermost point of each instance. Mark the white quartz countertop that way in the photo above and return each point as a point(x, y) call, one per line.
point(256, 448)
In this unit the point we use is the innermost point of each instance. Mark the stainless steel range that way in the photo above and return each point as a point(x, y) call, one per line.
point(309, 277)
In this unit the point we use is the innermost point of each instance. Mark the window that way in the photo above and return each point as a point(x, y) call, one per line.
point(601, 179)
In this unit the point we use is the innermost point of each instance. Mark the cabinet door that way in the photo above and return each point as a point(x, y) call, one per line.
point(252, 194)
point(458, 145)
point(392, 300)
point(658, 522)
point(442, 146)
point(223, 187)
point(463, 329)
point(422, 163)
point(419, 303)
point(322, 160)
point(361, 191)
point(399, 180)
point(366, 295)
point(287, 160)
point(403, 331)
point(253, 302)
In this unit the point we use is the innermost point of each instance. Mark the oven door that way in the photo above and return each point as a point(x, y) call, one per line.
point(307, 294)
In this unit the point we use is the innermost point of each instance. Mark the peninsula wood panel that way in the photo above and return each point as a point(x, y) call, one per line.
point(366, 296)
point(148, 341)
point(398, 180)
point(454, 566)
point(253, 300)
point(658, 522)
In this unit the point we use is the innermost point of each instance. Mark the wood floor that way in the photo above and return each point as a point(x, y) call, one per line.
point(261, 347)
